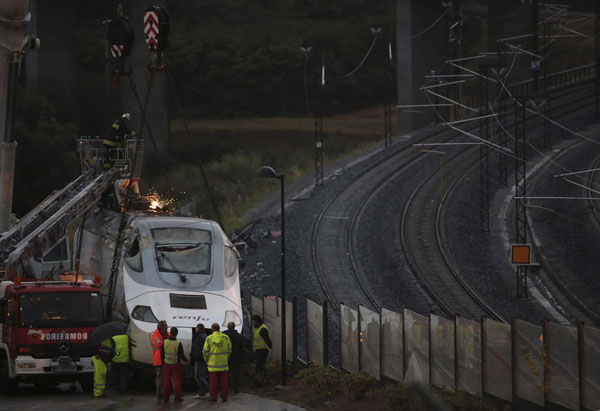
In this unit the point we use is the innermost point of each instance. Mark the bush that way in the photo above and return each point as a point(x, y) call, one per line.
point(359, 383)
point(401, 398)
point(323, 379)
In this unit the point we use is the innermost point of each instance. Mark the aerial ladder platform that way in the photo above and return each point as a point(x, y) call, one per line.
point(43, 227)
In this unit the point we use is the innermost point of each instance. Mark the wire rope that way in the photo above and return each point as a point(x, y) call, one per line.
point(427, 29)
point(362, 61)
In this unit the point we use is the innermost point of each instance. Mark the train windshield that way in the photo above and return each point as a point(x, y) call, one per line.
point(183, 250)
point(60, 309)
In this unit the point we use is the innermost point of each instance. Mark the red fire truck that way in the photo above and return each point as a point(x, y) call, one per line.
point(44, 327)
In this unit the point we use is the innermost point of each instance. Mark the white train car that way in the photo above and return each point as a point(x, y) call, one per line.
point(179, 269)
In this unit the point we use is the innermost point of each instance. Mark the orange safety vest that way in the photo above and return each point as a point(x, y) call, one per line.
point(156, 341)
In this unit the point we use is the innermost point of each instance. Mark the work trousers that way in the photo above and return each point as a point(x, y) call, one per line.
point(99, 376)
point(200, 377)
point(233, 377)
point(159, 379)
point(260, 356)
point(218, 382)
point(120, 375)
point(172, 372)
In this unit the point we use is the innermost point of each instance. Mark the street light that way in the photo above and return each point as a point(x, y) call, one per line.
point(269, 172)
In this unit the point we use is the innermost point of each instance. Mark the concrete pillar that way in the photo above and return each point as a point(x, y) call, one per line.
point(418, 54)
point(14, 16)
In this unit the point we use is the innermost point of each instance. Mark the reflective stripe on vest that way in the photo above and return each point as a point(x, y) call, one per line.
point(259, 343)
point(111, 143)
point(171, 348)
point(216, 351)
point(121, 348)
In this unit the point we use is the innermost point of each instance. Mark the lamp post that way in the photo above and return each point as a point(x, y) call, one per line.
point(269, 172)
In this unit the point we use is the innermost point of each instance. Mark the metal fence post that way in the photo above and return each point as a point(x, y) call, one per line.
point(456, 374)
point(325, 335)
point(360, 339)
point(340, 334)
point(545, 364)
point(514, 357)
point(307, 330)
point(430, 350)
point(581, 362)
point(483, 354)
point(294, 328)
point(403, 344)
point(381, 344)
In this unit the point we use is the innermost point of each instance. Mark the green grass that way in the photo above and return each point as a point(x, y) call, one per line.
point(232, 151)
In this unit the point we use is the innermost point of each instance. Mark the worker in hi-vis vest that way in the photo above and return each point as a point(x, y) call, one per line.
point(172, 354)
point(102, 356)
point(157, 339)
point(261, 345)
point(217, 349)
point(120, 362)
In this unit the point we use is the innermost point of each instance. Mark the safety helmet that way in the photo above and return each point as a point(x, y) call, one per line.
point(126, 116)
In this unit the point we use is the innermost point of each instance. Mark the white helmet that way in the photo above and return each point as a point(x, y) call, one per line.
point(126, 116)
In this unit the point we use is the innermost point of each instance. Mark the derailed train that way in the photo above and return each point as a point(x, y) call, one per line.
point(179, 269)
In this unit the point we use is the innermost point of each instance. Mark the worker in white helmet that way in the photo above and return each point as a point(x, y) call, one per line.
point(119, 131)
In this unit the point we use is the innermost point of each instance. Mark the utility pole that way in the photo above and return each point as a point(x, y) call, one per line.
point(14, 18)
point(484, 159)
point(534, 22)
point(455, 47)
point(387, 100)
point(502, 107)
point(319, 128)
point(547, 84)
point(597, 48)
point(521, 190)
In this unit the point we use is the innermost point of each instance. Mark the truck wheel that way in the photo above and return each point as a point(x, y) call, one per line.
point(7, 386)
point(87, 383)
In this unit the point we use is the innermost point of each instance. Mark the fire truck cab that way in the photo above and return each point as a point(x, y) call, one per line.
point(44, 327)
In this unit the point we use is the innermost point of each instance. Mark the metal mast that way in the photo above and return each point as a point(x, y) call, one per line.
point(521, 190)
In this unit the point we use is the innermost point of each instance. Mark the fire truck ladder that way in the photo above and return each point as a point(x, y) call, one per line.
point(43, 227)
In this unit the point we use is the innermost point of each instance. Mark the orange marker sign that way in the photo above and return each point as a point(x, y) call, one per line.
point(520, 253)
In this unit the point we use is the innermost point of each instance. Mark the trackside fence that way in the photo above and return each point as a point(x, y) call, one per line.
point(529, 365)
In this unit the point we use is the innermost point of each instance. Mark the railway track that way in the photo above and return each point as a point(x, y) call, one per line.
point(335, 232)
point(422, 237)
point(557, 275)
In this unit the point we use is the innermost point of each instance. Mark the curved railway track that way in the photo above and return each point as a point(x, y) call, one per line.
point(335, 231)
point(425, 251)
point(593, 185)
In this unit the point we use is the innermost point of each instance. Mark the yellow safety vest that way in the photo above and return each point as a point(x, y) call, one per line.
point(121, 348)
point(171, 348)
point(106, 343)
point(258, 342)
point(217, 349)
point(111, 143)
